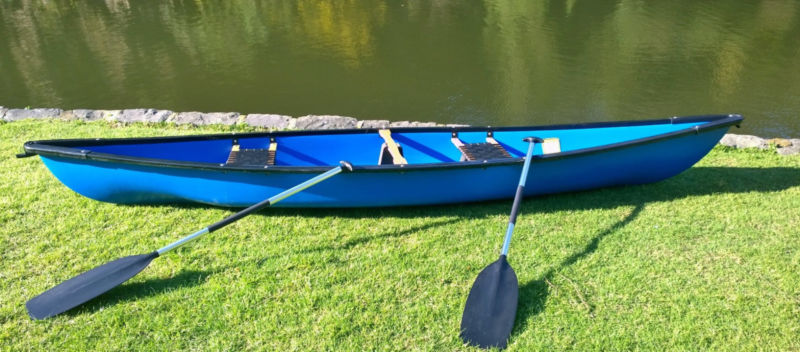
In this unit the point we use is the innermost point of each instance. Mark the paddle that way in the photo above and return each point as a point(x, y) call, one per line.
point(79, 289)
point(492, 302)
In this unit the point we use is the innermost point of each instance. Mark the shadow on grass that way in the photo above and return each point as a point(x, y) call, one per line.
point(361, 240)
point(534, 293)
point(153, 287)
point(138, 290)
point(697, 181)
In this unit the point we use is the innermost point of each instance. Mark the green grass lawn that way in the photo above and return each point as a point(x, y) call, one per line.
point(709, 259)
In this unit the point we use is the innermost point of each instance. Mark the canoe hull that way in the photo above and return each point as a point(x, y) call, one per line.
point(131, 183)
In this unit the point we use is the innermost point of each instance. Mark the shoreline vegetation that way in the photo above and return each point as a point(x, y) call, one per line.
point(705, 260)
point(783, 146)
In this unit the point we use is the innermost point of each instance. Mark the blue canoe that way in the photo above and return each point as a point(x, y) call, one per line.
point(396, 167)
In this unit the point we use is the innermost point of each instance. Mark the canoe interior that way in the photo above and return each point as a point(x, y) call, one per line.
point(199, 169)
point(361, 148)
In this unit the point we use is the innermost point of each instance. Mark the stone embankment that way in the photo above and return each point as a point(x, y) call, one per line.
point(283, 122)
point(782, 145)
point(274, 122)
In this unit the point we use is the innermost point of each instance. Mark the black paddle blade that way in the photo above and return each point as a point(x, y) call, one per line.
point(77, 290)
point(491, 306)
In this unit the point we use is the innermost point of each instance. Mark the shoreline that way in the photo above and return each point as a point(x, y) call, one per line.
point(783, 146)
point(268, 121)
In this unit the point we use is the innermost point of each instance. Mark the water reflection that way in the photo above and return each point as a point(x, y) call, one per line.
point(497, 62)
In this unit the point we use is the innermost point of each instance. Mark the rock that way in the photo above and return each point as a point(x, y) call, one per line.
point(744, 141)
point(780, 142)
point(192, 117)
point(21, 114)
point(278, 122)
point(412, 124)
point(110, 115)
point(2, 112)
point(728, 140)
point(144, 115)
point(205, 118)
point(86, 114)
point(373, 124)
point(401, 124)
point(791, 149)
point(325, 122)
point(221, 118)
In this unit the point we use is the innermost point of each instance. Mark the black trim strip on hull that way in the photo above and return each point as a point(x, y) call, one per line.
point(62, 147)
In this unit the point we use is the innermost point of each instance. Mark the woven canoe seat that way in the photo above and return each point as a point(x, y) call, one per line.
point(483, 151)
point(480, 151)
point(252, 157)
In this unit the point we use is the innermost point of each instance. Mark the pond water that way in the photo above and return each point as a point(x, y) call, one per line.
point(498, 62)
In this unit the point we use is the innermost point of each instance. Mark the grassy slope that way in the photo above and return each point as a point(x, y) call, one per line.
point(709, 259)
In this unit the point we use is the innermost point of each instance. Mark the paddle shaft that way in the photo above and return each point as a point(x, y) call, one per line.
point(491, 306)
point(253, 208)
point(518, 196)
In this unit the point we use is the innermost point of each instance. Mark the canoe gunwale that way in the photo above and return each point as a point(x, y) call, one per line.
point(64, 147)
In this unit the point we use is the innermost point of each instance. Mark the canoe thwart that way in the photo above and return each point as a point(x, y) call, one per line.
point(480, 151)
point(251, 157)
point(391, 152)
point(386, 157)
